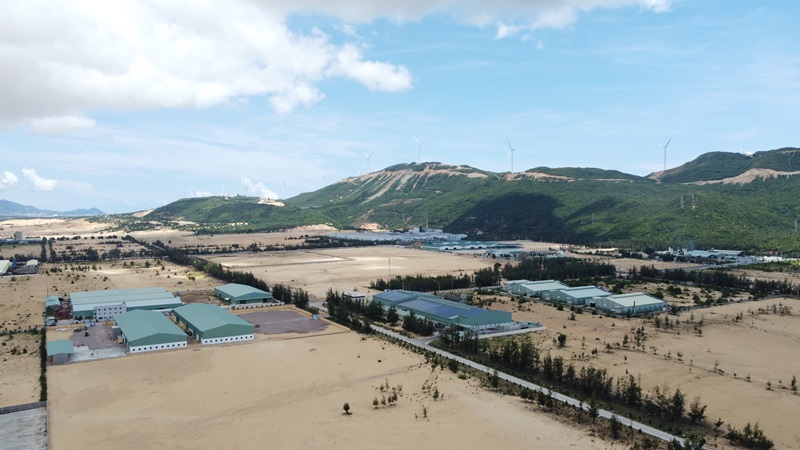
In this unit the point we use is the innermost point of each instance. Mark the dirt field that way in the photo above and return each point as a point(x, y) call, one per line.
point(347, 269)
point(713, 365)
point(19, 369)
point(287, 394)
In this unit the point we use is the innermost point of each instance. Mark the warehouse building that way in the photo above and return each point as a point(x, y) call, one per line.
point(441, 311)
point(633, 303)
point(52, 302)
point(60, 351)
point(147, 331)
point(533, 288)
point(582, 295)
point(241, 294)
point(211, 324)
point(454, 246)
point(106, 304)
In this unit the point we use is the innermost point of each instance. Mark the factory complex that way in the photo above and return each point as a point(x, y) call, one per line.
point(441, 311)
point(104, 305)
point(591, 296)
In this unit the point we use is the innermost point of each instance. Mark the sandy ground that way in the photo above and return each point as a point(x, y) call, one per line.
point(348, 269)
point(762, 346)
point(49, 227)
point(19, 373)
point(159, 391)
point(179, 238)
point(287, 394)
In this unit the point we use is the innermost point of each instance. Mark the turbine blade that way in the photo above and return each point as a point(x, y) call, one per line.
point(670, 139)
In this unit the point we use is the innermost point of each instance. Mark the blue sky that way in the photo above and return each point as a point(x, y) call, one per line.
point(132, 106)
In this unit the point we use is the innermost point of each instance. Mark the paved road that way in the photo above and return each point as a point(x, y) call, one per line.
point(423, 343)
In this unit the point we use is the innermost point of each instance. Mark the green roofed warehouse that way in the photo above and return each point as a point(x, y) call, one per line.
point(146, 331)
point(103, 305)
point(214, 325)
point(60, 351)
point(439, 310)
point(239, 294)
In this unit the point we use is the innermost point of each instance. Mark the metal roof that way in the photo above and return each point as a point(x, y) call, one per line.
point(206, 317)
point(51, 300)
point(585, 292)
point(544, 285)
point(635, 299)
point(119, 295)
point(234, 290)
point(434, 307)
point(61, 347)
point(141, 324)
point(162, 303)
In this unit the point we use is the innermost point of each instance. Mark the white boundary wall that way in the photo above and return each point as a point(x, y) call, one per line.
point(227, 340)
point(152, 348)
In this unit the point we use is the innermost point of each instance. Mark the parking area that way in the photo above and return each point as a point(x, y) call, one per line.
point(99, 338)
point(283, 321)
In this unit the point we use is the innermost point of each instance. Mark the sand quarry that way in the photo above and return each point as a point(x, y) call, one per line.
point(240, 395)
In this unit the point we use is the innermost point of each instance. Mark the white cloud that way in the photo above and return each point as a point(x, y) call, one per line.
point(8, 181)
point(62, 60)
point(257, 189)
point(59, 125)
point(65, 59)
point(38, 183)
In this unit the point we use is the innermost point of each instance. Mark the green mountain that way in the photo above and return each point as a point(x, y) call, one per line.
point(235, 214)
point(719, 200)
point(721, 165)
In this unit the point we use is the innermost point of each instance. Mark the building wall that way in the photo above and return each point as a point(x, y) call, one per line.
point(155, 347)
point(61, 358)
point(108, 312)
point(611, 305)
point(246, 301)
point(227, 340)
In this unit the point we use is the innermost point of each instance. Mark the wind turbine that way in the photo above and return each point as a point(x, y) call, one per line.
point(510, 153)
point(284, 189)
point(368, 157)
point(419, 149)
point(665, 151)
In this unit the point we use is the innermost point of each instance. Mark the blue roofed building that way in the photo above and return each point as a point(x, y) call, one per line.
point(441, 311)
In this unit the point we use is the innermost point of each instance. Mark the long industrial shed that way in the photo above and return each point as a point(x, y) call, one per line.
point(214, 325)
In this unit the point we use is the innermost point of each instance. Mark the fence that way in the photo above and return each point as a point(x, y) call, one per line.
point(24, 407)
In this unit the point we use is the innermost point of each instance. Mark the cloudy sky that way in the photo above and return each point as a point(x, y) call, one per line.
point(129, 105)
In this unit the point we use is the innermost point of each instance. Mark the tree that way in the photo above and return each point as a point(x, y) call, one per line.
point(346, 408)
point(616, 426)
point(677, 404)
point(494, 380)
point(562, 339)
point(697, 412)
point(391, 316)
point(594, 409)
point(452, 364)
